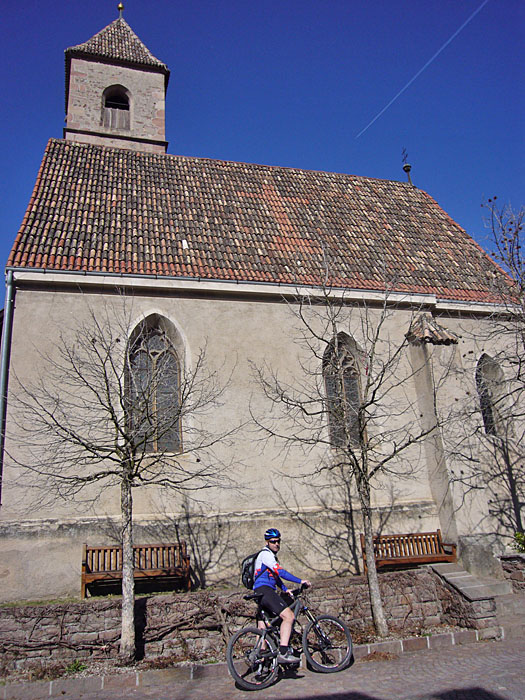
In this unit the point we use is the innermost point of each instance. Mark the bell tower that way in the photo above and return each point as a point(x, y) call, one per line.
point(116, 91)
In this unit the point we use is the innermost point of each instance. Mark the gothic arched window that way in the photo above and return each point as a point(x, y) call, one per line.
point(153, 388)
point(343, 394)
point(115, 108)
point(489, 384)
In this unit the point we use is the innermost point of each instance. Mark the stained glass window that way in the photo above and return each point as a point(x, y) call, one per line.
point(154, 388)
point(343, 397)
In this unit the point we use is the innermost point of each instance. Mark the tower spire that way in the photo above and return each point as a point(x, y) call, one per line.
point(115, 91)
point(120, 8)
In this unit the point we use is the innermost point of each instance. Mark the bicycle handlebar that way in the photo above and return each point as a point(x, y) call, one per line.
point(298, 591)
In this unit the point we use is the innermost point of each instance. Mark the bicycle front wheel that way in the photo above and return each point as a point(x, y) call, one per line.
point(327, 644)
point(252, 658)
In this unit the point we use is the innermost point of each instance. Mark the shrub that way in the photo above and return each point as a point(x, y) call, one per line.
point(76, 666)
point(519, 542)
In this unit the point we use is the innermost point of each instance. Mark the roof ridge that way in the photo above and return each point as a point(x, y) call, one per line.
point(118, 42)
point(100, 209)
point(266, 166)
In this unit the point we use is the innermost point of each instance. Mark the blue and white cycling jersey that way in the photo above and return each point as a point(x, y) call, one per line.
point(267, 568)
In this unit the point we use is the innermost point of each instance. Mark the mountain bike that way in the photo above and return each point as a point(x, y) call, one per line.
point(252, 651)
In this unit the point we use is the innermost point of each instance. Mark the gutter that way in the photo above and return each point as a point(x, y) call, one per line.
point(139, 281)
point(4, 364)
point(179, 283)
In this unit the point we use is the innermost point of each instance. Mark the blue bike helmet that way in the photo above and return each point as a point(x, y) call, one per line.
point(271, 532)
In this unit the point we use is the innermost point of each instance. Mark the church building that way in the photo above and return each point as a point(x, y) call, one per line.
point(242, 282)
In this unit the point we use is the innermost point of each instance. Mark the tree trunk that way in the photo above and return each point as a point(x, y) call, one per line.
point(376, 603)
point(127, 636)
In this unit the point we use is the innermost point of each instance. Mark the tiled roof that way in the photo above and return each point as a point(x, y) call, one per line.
point(425, 329)
point(114, 210)
point(118, 42)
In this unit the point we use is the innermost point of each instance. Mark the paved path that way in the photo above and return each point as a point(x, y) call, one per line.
point(484, 671)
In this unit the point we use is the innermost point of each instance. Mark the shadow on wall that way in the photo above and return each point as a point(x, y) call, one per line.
point(141, 621)
point(208, 540)
point(334, 532)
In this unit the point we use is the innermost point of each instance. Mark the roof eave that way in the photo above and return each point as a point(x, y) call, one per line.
point(415, 299)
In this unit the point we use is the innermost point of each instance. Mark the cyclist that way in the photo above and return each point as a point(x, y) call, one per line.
point(267, 577)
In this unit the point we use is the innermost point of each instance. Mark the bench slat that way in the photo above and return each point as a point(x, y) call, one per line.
point(423, 546)
point(409, 548)
point(165, 561)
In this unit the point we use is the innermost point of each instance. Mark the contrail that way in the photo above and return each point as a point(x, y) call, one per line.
point(447, 42)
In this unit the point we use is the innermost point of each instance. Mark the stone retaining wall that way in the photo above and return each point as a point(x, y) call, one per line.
point(196, 626)
point(459, 610)
point(514, 570)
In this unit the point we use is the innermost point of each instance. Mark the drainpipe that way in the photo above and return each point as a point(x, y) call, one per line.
point(4, 365)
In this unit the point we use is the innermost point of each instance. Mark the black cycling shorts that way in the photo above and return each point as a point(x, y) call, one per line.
point(271, 600)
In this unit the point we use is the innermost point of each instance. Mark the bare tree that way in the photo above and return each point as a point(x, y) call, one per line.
point(490, 431)
point(350, 407)
point(108, 411)
point(209, 538)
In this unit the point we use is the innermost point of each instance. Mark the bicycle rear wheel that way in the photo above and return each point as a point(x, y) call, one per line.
point(252, 658)
point(327, 644)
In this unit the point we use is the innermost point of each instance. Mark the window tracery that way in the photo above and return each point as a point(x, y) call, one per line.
point(489, 380)
point(153, 394)
point(343, 393)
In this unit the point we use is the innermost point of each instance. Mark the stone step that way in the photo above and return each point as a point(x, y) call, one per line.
point(447, 567)
point(470, 586)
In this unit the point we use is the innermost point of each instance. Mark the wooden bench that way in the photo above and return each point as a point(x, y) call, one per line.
point(410, 549)
point(168, 563)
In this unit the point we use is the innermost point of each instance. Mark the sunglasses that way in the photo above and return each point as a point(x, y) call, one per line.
point(274, 541)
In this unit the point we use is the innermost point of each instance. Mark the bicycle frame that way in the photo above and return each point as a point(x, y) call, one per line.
point(252, 653)
point(298, 607)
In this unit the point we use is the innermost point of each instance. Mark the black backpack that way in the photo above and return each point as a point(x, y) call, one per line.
point(248, 570)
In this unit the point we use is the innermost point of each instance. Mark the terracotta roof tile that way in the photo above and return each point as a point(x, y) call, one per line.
point(425, 329)
point(104, 209)
point(117, 42)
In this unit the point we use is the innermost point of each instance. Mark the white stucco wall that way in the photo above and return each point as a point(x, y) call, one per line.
point(240, 330)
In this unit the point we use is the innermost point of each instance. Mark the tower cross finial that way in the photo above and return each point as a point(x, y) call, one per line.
point(120, 8)
point(406, 166)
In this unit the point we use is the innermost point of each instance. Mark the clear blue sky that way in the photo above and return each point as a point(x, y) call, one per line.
point(293, 83)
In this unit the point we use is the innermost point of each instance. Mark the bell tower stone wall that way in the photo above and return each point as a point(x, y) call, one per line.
point(88, 79)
